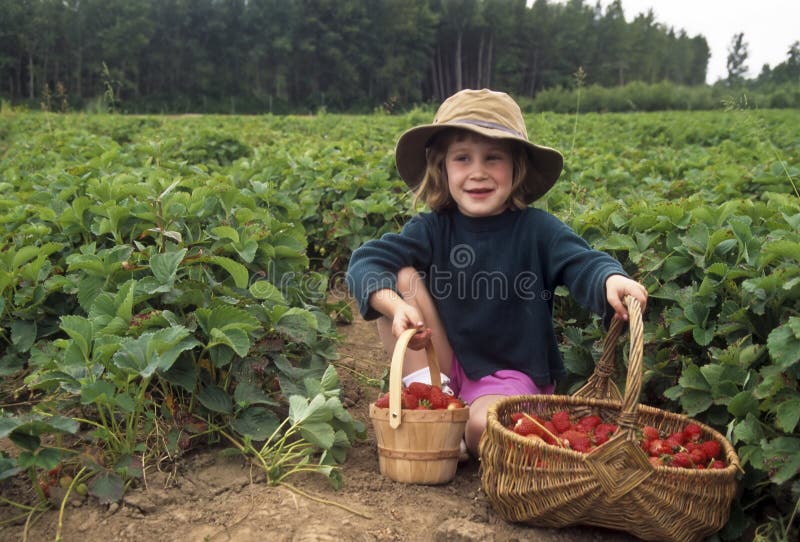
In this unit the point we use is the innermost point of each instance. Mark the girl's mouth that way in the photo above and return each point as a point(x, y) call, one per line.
point(479, 191)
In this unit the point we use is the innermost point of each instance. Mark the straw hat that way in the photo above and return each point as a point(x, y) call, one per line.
point(488, 113)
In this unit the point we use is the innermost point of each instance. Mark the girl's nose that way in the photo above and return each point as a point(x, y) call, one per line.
point(478, 170)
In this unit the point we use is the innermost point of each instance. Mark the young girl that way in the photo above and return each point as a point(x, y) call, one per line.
point(477, 274)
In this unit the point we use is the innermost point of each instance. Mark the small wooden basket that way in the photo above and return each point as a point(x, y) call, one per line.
point(614, 486)
point(417, 446)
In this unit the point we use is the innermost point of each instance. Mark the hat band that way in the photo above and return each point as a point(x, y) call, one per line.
point(491, 125)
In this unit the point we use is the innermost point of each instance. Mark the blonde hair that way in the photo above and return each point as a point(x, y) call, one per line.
point(433, 190)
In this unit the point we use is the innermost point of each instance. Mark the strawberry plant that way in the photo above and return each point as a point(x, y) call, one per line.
point(185, 264)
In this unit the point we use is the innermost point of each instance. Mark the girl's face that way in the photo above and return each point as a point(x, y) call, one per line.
point(480, 173)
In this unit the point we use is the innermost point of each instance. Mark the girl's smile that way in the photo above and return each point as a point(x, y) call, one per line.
point(480, 174)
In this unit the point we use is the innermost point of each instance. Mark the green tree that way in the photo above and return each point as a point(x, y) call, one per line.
point(737, 59)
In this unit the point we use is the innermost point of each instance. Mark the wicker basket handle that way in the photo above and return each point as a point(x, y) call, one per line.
point(396, 374)
point(630, 402)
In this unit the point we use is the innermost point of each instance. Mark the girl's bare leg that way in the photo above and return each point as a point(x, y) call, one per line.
point(412, 288)
point(476, 424)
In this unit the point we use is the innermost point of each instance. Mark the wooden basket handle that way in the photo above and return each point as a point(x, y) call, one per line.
point(633, 384)
point(396, 374)
point(601, 386)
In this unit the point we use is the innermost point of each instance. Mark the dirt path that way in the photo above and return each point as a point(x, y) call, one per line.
point(211, 498)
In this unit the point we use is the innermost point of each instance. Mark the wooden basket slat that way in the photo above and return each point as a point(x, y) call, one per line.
point(416, 446)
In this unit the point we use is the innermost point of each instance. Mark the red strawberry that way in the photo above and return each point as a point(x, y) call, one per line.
point(454, 402)
point(603, 431)
point(438, 398)
point(515, 417)
point(650, 433)
point(525, 426)
point(711, 448)
point(577, 441)
point(682, 459)
point(609, 428)
point(674, 444)
point(552, 429)
point(383, 401)
point(409, 401)
point(692, 431)
point(691, 446)
point(600, 438)
point(419, 389)
point(698, 456)
point(718, 464)
point(587, 423)
point(679, 437)
point(659, 447)
point(561, 421)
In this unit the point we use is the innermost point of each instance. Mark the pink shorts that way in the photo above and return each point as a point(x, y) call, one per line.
point(503, 382)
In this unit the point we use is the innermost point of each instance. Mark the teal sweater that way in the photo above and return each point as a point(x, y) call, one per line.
point(492, 279)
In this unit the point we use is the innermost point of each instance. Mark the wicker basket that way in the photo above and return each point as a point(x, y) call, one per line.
point(615, 486)
point(416, 446)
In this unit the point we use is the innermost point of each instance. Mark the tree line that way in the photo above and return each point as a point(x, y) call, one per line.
point(295, 55)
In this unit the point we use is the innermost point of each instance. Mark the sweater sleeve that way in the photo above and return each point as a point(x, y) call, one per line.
point(584, 271)
point(374, 265)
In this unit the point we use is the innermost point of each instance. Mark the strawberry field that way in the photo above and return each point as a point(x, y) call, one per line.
point(174, 284)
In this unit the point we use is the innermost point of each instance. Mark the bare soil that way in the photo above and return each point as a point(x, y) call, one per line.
point(208, 497)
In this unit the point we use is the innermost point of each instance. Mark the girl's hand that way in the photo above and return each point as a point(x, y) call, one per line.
point(617, 287)
point(407, 317)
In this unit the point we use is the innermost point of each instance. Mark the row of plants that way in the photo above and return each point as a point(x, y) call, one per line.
point(166, 280)
point(150, 301)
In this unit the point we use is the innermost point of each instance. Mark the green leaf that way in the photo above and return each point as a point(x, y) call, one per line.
point(748, 430)
point(248, 393)
point(99, 391)
point(8, 468)
point(743, 403)
point(299, 324)
point(23, 334)
point(266, 291)
point(184, 373)
point(703, 336)
point(215, 399)
point(692, 379)
point(153, 351)
point(695, 401)
point(107, 487)
point(8, 424)
point(80, 331)
point(318, 433)
point(24, 255)
point(257, 423)
point(125, 402)
point(788, 414)
point(330, 380)
point(225, 317)
point(234, 338)
point(237, 271)
point(225, 232)
point(46, 459)
point(784, 344)
point(165, 265)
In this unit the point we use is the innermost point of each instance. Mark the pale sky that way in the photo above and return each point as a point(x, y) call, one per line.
point(770, 27)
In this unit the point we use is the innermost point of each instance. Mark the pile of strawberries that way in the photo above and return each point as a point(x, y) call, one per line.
point(684, 449)
point(582, 436)
point(419, 396)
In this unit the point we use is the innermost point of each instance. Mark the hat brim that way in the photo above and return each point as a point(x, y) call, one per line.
point(544, 165)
